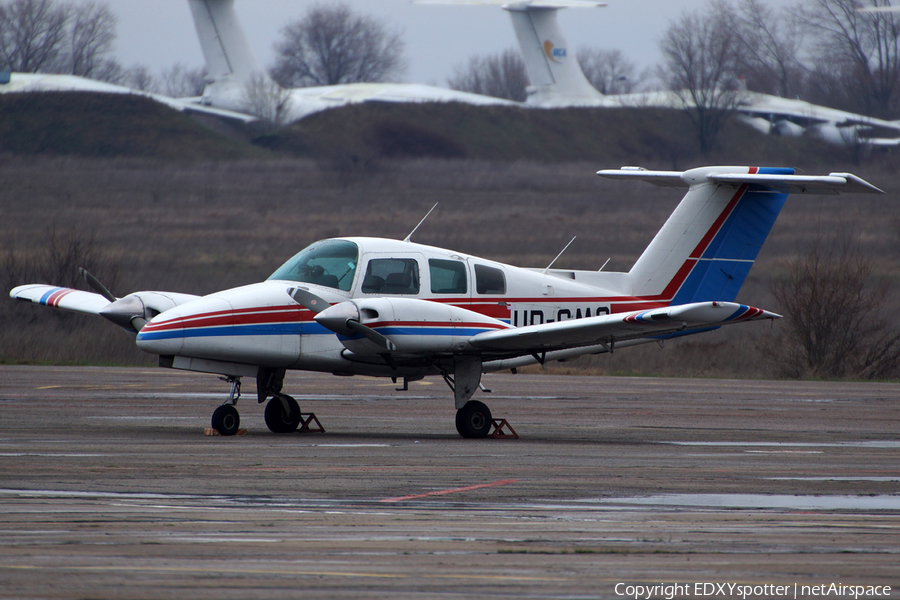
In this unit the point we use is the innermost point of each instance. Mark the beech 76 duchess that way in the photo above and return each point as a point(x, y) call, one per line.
point(398, 309)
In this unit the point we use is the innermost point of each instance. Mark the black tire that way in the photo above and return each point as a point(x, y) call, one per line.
point(279, 421)
point(474, 420)
point(226, 420)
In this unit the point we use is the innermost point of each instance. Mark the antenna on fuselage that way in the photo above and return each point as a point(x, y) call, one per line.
point(406, 239)
point(558, 255)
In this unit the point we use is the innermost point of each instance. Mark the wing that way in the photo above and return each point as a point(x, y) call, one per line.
point(59, 297)
point(130, 312)
point(657, 323)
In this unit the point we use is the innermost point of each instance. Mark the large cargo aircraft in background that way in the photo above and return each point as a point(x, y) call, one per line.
point(558, 81)
point(404, 310)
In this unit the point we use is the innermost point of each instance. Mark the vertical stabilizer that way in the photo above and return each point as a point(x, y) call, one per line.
point(222, 39)
point(556, 78)
point(706, 248)
point(720, 230)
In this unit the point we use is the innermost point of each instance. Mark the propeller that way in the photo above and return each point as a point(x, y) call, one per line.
point(127, 312)
point(342, 318)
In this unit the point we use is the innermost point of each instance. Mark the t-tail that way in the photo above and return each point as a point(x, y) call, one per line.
point(708, 245)
point(553, 69)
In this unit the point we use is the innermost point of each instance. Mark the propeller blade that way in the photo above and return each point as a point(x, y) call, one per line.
point(343, 319)
point(97, 286)
point(372, 335)
point(308, 300)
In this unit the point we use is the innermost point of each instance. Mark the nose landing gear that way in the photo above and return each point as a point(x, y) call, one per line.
point(226, 419)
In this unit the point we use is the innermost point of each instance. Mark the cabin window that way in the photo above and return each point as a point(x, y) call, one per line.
point(391, 276)
point(447, 276)
point(489, 280)
point(330, 263)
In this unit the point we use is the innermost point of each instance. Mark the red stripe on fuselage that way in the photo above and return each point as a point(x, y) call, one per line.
point(244, 316)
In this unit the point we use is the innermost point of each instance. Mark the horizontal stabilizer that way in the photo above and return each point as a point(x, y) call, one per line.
point(58, 297)
point(776, 179)
point(608, 329)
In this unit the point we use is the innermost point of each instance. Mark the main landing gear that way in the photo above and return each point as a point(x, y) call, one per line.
point(282, 414)
point(473, 418)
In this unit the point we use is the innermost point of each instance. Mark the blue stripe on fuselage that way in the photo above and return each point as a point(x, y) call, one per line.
point(311, 328)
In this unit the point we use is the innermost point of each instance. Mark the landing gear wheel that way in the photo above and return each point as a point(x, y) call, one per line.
point(226, 420)
point(474, 420)
point(279, 421)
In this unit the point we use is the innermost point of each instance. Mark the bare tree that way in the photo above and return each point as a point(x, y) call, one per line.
point(138, 77)
point(860, 52)
point(770, 45)
point(180, 81)
point(45, 36)
point(92, 31)
point(331, 45)
point(500, 75)
point(700, 58)
point(267, 100)
point(609, 71)
point(33, 35)
point(834, 321)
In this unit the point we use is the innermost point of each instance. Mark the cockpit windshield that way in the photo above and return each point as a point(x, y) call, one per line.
point(331, 263)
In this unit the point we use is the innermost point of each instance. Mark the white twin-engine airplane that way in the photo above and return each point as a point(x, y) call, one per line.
point(398, 309)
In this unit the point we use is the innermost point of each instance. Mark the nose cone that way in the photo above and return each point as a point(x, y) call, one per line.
point(187, 328)
point(164, 334)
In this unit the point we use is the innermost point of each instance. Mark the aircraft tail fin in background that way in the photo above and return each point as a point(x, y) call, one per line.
point(706, 248)
point(225, 47)
point(556, 78)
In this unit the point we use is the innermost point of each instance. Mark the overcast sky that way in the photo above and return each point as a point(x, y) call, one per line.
point(159, 33)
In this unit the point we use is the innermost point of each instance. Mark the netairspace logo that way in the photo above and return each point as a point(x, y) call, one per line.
point(669, 591)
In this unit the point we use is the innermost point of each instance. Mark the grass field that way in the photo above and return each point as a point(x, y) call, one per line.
point(195, 225)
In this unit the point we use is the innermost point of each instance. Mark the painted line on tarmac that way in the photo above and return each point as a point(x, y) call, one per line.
point(230, 570)
point(452, 490)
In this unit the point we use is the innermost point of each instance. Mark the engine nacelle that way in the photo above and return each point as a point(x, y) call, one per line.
point(134, 310)
point(410, 325)
point(787, 128)
point(839, 136)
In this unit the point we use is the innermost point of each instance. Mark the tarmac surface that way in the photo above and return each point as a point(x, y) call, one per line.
point(110, 489)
